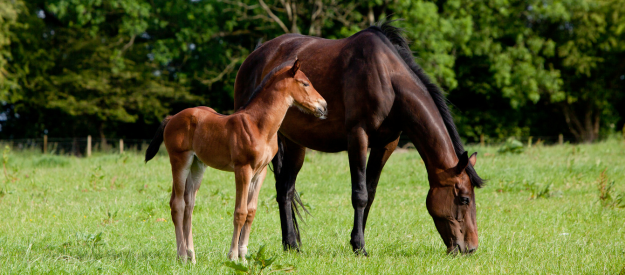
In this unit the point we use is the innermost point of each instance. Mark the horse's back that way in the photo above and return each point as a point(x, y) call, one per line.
point(353, 75)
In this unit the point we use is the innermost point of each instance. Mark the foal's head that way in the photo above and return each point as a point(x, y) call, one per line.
point(451, 203)
point(296, 85)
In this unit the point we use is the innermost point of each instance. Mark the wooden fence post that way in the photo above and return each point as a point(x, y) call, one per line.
point(529, 142)
point(45, 144)
point(88, 145)
point(482, 140)
point(560, 139)
point(121, 146)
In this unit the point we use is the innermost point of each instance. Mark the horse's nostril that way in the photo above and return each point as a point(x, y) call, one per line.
point(471, 250)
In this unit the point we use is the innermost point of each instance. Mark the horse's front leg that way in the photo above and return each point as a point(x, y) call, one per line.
point(252, 205)
point(243, 175)
point(287, 165)
point(377, 159)
point(357, 144)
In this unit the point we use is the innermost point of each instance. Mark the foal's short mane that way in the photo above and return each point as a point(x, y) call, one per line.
point(396, 37)
point(264, 82)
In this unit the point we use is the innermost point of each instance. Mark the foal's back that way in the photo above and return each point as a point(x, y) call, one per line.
point(219, 141)
point(200, 131)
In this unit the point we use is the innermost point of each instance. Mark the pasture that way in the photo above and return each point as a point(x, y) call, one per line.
point(540, 212)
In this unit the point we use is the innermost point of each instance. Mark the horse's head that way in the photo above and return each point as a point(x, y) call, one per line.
point(304, 95)
point(451, 203)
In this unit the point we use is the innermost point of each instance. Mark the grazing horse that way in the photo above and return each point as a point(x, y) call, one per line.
point(243, 143)
point(375, 91)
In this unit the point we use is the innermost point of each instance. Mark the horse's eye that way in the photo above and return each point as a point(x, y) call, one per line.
point(305, 84)
point(465, 200)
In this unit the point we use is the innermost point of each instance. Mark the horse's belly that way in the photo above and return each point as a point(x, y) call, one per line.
point(330, 135)
point(327, 135)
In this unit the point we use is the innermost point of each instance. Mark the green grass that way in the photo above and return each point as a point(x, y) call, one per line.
point(54, 209)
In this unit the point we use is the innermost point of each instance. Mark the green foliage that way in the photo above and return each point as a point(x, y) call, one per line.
point(116, 68)
point(258, 263)
point(512, 146)
point(86, 239)
point(49, 161)
point(538, 191)
point(606, 192)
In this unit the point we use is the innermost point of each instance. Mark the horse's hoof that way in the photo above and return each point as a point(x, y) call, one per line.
point(290, 247)
point(361, 252)
point(191, 255)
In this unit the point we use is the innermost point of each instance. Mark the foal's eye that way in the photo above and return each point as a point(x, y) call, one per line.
point(465, 200)
point(305, 84)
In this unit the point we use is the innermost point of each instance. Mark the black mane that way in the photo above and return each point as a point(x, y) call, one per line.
point(263, 83)
point(396, 37)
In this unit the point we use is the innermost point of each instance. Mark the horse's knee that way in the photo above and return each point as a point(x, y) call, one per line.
point(359, 199)
point(251, 213)
point(239, 217)
point(177, 205)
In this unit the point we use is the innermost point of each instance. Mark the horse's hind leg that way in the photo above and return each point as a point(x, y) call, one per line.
point(252, 205)
point(192, 185)
point(180, 166)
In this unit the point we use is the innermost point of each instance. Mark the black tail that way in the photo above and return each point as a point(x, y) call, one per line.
point(156, 141)
point(395, 35)
point(296, 201)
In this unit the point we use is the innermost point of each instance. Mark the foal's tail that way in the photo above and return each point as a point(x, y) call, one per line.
point(156, 141)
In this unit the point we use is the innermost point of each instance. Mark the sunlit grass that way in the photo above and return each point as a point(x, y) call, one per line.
point(110, 214)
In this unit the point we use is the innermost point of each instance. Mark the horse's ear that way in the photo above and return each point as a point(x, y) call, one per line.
point(463, 162)
point(473, 159)
point(295, 67)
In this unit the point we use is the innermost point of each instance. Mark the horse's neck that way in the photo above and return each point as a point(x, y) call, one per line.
point(267, 111)
point(427, 131)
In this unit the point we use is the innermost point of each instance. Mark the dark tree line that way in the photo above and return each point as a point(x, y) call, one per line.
point(115, 68)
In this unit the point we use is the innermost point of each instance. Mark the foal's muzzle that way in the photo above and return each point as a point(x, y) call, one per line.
point(322, 110)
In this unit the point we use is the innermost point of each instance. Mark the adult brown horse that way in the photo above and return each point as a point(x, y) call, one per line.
point(243, 143)
point(374, 91)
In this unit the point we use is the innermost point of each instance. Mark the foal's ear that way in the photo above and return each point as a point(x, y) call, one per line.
point(295, 67)
point(463, 162)
point(473, 159)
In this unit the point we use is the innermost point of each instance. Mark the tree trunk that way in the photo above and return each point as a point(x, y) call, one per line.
point(103, 146)
point(588, 131)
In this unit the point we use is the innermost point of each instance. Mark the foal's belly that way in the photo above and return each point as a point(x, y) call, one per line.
point(217, 157)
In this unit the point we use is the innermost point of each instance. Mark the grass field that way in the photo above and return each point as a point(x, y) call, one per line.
point(105, 215)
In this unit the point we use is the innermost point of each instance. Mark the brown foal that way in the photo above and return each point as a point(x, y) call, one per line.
point(243, 143)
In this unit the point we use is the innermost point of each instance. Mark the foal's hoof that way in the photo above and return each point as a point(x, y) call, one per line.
point(191, 255)
point(183, 258)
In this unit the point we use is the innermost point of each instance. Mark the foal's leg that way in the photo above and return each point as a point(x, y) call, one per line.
point(243, 176)
point(252, 204)
point(193, 184)
point(357, 144)
point(180, 166)
point(291, 163)
point(377, 159)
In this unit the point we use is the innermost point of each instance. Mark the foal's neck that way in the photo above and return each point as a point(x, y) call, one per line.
point(268, 109)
